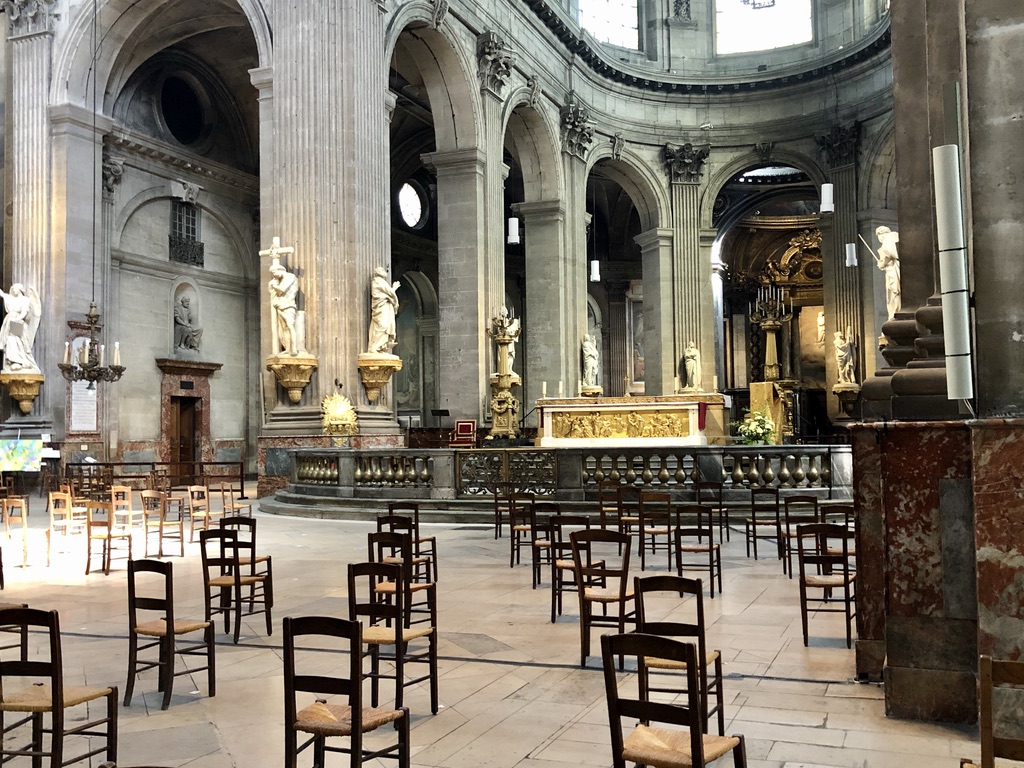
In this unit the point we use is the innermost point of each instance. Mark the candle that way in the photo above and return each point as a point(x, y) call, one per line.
point(117, 353)
point(714, 383)
point(561, 388)
point(67, 352)
point(543, 389)
point(102, 350)
point(676, 385)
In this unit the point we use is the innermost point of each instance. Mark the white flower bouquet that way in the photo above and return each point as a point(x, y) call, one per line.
point(756, 428)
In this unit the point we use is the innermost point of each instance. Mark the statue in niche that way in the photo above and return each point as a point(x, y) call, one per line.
point(507, 325)
point(284, 295)
point(845, 363)
point(590, 361)
point(820, 321)
point(18, 332)
point(383, 308)
point(691, 366)
point(888, 260)
point(186, 335)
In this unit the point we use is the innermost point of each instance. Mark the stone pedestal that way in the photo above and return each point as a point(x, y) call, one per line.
point(504, 407)
point(376, 370)
point(293, 373)
point(23, 387)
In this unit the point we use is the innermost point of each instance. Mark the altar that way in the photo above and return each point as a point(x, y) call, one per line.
point(682, 419)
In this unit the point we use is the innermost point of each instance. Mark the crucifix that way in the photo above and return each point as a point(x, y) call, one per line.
point(275, 251)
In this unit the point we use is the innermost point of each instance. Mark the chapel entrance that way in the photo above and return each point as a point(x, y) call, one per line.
point(183, 439)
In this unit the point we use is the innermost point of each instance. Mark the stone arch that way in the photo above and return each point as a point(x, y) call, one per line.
point(536, 142)
point(445, 68)
point(120, 21)
point(741, 163)
point(648, 192)
point(878, 190)
point(246, 259)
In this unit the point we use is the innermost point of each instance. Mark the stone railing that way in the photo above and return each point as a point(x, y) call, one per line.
point(567, 474)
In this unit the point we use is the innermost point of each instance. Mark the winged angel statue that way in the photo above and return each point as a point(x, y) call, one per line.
point(18, 332)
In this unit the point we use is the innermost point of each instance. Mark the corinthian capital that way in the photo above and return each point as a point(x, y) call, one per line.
point(26, 16)
point(685, 162)
point(494, 62)
point(840, 145)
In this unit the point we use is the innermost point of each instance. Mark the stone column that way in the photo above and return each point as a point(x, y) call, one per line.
point(718, 274)
point(461, 289)
point(656, 248)
point(619, 348)
point(263, 80)
point(330, 166)
point(691, 301)
point(545, 296)
point(29, 260)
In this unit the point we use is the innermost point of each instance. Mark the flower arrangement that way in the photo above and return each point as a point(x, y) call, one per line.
point(756, 428)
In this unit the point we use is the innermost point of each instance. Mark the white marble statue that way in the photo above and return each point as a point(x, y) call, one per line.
point(383, 308)
point(691, 366)
point(18, 332)
point(845, 357)
point(590, 361)
point(888, 260)
point(284, 296)
point(186, 335)
point(507, 325)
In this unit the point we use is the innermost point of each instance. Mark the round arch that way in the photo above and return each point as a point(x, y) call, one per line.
point(119, 21)
point(444, 66)
point(536, 143)
point(648, 192)
point(879, 188)
point(741, 163)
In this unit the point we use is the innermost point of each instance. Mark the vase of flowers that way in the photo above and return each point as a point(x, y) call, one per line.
point(756, 429)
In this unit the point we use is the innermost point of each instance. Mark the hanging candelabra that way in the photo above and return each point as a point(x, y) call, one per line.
point(89, 363)
point(770, 312)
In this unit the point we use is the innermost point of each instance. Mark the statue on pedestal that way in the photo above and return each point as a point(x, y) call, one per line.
point(691, 366)
point(845, 357)
point(18, 332)
point(383, 309)
point(505, 330)
point(591, 361)
point(888, 260)
point(289, 360)
point(284, 294)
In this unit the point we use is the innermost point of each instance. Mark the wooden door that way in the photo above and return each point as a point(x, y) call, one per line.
point(184, 439)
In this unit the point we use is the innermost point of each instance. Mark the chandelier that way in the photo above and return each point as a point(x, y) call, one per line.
point(88, 364)
point(89, 361)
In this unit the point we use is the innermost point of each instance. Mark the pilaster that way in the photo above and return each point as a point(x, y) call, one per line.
point(657, 250)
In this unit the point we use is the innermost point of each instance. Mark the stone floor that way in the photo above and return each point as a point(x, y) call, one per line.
point(512, 693)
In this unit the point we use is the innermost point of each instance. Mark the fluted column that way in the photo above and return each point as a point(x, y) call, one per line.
point(619, 349)
point(657, 251)
point(329, 164)
point(461, 289)
point(29, 259)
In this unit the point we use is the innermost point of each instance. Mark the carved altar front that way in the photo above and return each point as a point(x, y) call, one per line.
point(696, 419)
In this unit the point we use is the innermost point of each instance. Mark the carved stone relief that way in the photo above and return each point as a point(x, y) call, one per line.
point(577, 132)
point(685, 162)
point(840, 145)
point(29, 15)
point(494, 62)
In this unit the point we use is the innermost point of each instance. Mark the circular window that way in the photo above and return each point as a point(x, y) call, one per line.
point(182, 110)
point(412, 205)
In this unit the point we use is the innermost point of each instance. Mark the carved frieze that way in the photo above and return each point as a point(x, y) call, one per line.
point(840, 145)
point(494, 62)
point(577, 132)
point(616, 424)
point(685, 162)
point(26, 16)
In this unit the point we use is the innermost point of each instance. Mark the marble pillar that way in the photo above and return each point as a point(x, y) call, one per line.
point(620, 350)
point(463, 350)
point(691, 299)
point(574, 268)
point(545, 298)
point(660, 362)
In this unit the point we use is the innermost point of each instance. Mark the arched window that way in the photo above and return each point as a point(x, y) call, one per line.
point(743, 26)
point(611, 21)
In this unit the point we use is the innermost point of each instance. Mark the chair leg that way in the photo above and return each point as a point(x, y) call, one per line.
point(400, 653)
point(584, 633)
point(133, 658)
point(111, 726)
point(211, 660)
point(402, 725)
point(803, 611)
point(432, 651)
point(167, 667)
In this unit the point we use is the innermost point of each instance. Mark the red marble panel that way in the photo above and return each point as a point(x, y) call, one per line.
point(998, 456)
point(915, 457)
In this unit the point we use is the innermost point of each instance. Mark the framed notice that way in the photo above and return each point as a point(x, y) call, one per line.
point(83, 403)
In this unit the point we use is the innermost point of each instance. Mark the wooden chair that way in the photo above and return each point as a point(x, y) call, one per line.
point(711, 494)
point(157, 518)
point(601, 569)
point(648, 744)
point(394, 523)
point(695, 545)
point(520, 518)
point(540, 537)
point(647, 590)
point(608, 503)
point(420, 597)
point(842, 514)
point(501, 494)
point(423, 546)
point(765, 521)
point(562, 568)
point(819, 569)
point(321, 719)
point(464, 434)
point(796, 511)
point(628, 508)
point(1008, 676)
point(200, 510)
point(103, 526)
point(21, 631)
point(16, 508)
point(225, 575)
point(47, 693)
point(228, 503)
point(386, 627)
point(156, 596)
point(121, 501)
point(65, 519)
point(655, 523)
